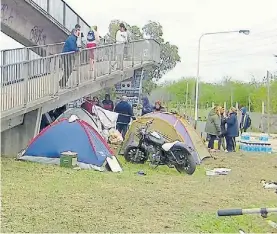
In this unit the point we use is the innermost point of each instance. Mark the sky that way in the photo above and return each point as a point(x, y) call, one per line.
point(236, 55)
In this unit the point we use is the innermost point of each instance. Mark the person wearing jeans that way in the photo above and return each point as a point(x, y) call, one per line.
point(213, 126)
point(125, 111)
point(232, 130)
point(221, 137)
point(68, 60)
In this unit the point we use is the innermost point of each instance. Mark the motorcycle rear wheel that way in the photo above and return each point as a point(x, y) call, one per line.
point(188, 167)
point(130, 153)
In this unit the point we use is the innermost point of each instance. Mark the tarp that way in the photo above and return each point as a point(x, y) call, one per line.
point(107, 118)
point(82, 114)
point(173, 128)
point(62, 136)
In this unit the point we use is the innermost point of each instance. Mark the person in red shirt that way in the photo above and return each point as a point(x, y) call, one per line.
point(108, 103)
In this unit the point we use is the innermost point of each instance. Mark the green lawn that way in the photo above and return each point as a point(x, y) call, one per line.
point(46, 198)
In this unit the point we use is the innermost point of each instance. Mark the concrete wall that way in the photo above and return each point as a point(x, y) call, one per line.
point(16, 139)
point(27, 25)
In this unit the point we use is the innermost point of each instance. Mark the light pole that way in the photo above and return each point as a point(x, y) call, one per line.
point(246, 32)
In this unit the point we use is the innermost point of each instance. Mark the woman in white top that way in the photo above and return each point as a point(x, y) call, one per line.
point(122, 35)
point(121, 40)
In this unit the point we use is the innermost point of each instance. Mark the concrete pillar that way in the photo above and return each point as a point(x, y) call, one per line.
point(16, 139)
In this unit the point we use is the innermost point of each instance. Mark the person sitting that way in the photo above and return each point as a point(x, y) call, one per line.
point(158, 107)
point(146, 106)
point(125, 111)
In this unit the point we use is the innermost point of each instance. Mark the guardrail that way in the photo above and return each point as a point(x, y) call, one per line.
point(62, 13)
point(16, 55)
point(28, 81)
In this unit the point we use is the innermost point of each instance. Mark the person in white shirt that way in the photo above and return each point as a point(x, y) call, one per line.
point(121, 40)
point(121, 34)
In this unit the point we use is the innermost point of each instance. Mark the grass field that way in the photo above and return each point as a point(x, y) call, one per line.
point(46, 198)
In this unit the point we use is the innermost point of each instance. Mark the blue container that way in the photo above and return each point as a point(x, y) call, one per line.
point(264, 138)
point(263, 148)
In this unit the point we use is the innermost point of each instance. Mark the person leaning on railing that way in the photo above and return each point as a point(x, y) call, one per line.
point(121, 40)
point(70, 45)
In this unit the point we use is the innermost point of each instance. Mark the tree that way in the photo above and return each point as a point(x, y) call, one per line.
point(169, 56)
point(148, 86)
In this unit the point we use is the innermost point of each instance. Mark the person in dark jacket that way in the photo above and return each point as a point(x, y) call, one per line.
point(213, 126)
point(125, 112)
point(245, 122)
point(70, 45)
point(232, 130)
point(221, 137)
point(146, 106)
point(108, 103)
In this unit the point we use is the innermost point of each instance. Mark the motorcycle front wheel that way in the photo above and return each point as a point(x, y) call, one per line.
point(134, 154)
point(189, 165)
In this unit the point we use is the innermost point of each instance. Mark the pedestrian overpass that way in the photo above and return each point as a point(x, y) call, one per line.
point(30, 88)
point(39, 22)
point(30, 76)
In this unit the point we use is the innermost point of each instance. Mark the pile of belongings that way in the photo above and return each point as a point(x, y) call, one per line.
point(115, 137)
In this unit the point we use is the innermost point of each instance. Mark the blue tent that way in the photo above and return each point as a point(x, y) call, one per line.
point(77, 136)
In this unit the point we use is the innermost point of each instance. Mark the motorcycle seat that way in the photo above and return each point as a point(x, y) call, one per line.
point(167, 146)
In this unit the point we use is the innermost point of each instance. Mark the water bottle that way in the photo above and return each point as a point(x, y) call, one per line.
point(258, 147)
point(269, 149)
point(255, 147)
point(263, 148)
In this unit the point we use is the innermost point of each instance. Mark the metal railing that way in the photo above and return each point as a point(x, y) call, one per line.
point(27, 81)
point(62, 13)
point(16, 55)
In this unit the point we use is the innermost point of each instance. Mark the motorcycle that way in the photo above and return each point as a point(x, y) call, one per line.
point(153, 146)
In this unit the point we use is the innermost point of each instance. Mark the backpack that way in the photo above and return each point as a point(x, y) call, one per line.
point(91, 36)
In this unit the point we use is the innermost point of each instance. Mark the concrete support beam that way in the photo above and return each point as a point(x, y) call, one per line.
point(16, 139)
point(28, 25)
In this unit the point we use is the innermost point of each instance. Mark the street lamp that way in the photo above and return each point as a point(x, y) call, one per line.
point(246, 32)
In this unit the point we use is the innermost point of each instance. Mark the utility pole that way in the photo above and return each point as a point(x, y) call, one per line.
point(187, 94)
point(268, 100)
point(249, 104)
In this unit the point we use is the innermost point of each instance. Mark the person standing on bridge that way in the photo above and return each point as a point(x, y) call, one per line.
point(70, 45)
point(93, 40)
point(121, 40)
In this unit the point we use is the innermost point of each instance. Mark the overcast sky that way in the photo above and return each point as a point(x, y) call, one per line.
point(183, 22)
